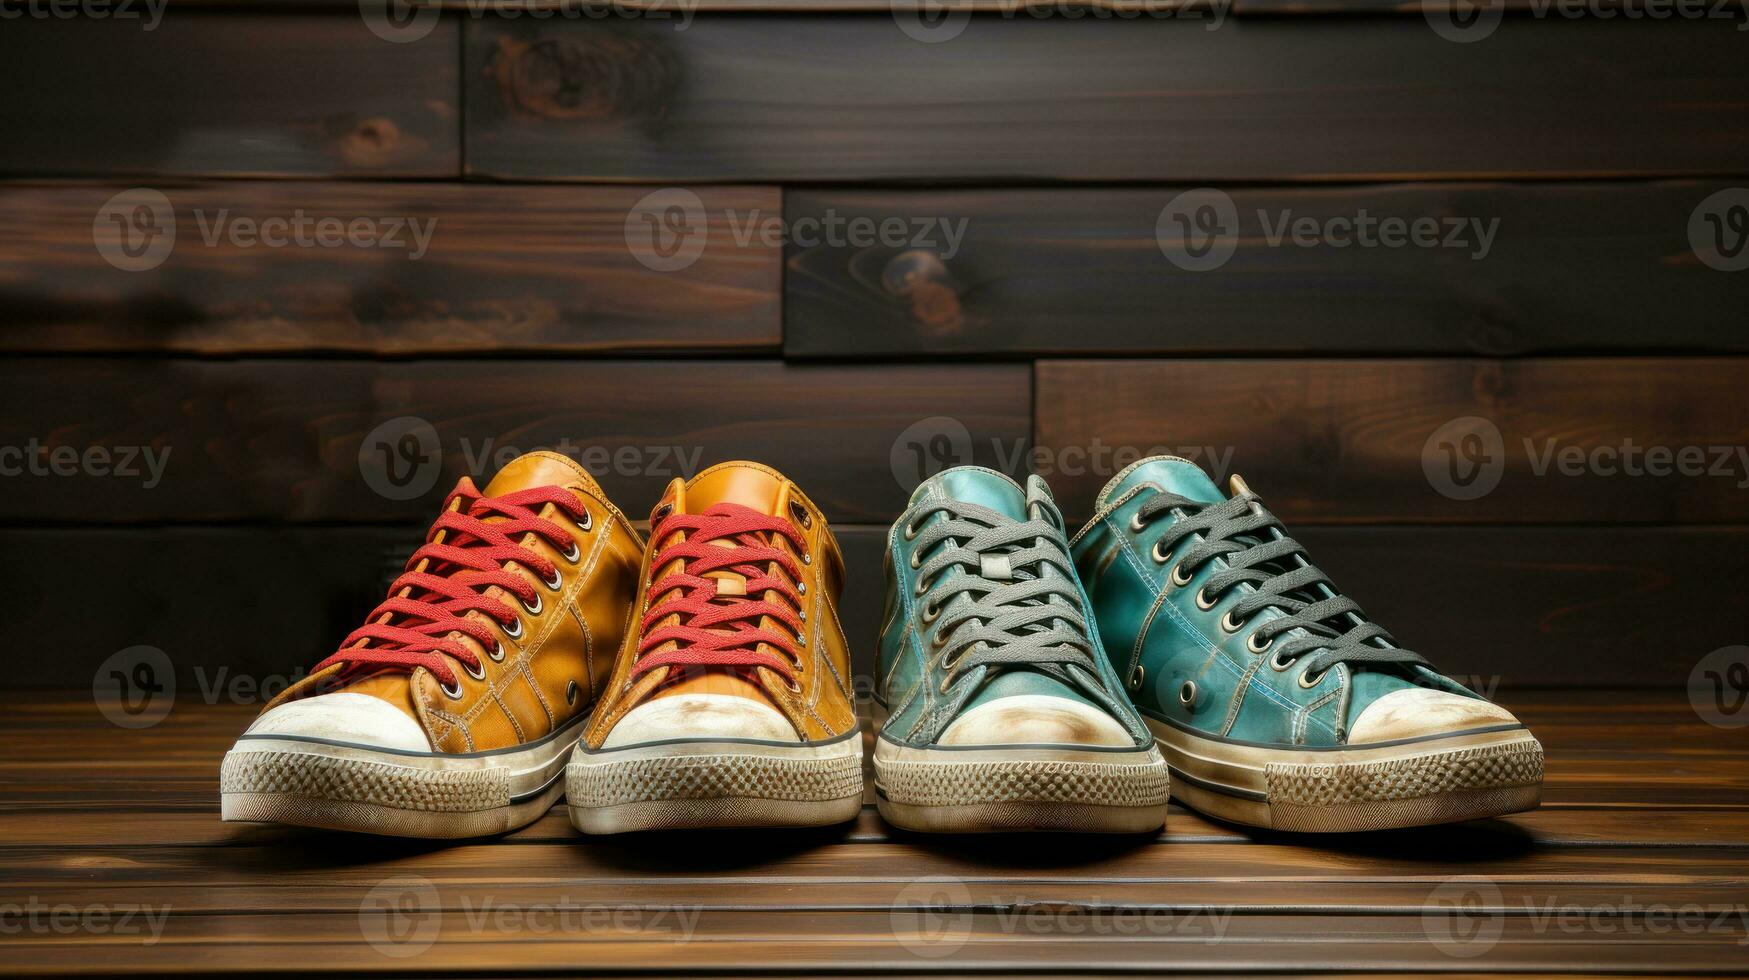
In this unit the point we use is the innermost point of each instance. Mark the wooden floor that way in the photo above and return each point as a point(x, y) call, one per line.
point(114, 860)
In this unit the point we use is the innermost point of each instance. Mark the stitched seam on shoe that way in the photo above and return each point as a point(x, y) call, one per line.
point(1237, 670)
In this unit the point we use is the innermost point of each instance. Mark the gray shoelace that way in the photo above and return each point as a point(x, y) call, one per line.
point(1258, 552)
point(1015, 614)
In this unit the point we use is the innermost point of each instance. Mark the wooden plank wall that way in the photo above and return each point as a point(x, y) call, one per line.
point(978, 267)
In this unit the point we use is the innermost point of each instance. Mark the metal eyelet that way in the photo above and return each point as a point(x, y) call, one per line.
point(801, 514)
point(916, 560)
point(1278, 662)
point(585, 524)
point(931, 612)
point(1308, 681)
point(1161, 554)
point(801, 588)
point(453, 694)
point(1230, 624)
point(1187, 693)
point(942, 687)
point(1178, 580)
point(476, 670)
point(920, 589)
point(497, 652)
point(939, 638)
point(1136, 525)
point(572, 553)
point(1136, 677)
point(911, 532)
point(555, 583)
point(535, 609)
point(807, 559)
point(1256, 647)
point(1205, 604)
point(571, 692)
point(513, 629)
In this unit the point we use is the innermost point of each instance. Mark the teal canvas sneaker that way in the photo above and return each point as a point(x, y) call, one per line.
point(1277, 702)
point(1002, 711)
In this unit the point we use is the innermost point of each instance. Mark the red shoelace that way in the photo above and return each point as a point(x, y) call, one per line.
point(409, 631)
point(716, 629)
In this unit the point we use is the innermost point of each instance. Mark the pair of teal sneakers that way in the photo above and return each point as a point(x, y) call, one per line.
point(1180, 642)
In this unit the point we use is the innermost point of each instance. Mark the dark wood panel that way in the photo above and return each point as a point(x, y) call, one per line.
point(1502, 609)
point(432, 268)
point(1063, 99)
point(223, 94)
point(360, 442)
point(1367, 441)
point(1500, 268)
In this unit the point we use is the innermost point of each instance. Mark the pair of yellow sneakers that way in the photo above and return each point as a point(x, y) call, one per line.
point(536, 645)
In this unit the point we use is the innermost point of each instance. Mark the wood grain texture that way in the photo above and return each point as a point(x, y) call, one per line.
point(363, 442)
point(1345, 441)
point(227, 94)
point(1055, 99)
point(434, 268)
point(1508, 269)
point(1645, 808)
point(1502, 609)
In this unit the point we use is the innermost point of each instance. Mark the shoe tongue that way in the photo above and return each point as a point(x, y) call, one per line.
point(747, 484)
point(1169, 473)
point(542, 469)
point(976, 485)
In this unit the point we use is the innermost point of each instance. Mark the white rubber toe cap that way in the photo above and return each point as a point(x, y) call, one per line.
point(345, 717)
point(1035, 719)
point(701, 716)
point(1418, 712)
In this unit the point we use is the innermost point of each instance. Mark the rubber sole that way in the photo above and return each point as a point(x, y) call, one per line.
point(340, 786)
point(1412, 783)
point(687, 784)
point(1020, 788)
